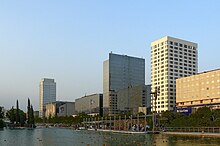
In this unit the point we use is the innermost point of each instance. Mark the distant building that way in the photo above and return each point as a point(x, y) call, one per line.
point(52, 109)
point(90, 104)
point(67, 109)
point(120, 72)
point(131, 99)
point(171, 58)
point(198, 90)
point(148, 98)
point(47, 94)
point(60, 108)
point(36, 114)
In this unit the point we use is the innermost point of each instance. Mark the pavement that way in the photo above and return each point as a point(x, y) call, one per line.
point(193, 133)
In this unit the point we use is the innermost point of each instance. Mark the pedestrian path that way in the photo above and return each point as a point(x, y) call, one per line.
point(193, 133)
point(128, 132)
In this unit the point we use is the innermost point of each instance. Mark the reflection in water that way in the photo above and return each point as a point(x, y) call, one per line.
point(68, 137)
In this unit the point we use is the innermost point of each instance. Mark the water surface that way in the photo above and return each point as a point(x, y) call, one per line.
point(69, 137)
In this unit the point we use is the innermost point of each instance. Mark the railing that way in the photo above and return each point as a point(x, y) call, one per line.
point(193, 129)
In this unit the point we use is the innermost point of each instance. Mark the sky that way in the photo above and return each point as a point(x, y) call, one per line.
point(68, 40)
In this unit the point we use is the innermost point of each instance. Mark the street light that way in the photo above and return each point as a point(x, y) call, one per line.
point(154, 103)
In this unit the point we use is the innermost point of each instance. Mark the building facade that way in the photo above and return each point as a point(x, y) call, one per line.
point(199, 90)
point(171, 58)
point(132, 98)
point(120, 72)
point(67, 109)
point(148, 98)
point(90, 104)
point(47, 94)
point(60, 108)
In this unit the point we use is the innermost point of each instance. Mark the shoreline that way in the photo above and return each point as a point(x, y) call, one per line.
point(202, 134)
point(192, 134)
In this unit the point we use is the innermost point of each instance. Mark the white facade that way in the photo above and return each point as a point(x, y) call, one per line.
point(120, 72)
point(171, 58)
point(47, 94)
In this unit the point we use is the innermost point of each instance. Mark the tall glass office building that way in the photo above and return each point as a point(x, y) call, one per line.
point(120, 72)
point(47, 94)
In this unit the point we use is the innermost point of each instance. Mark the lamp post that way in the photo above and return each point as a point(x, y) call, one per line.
point(154, 103)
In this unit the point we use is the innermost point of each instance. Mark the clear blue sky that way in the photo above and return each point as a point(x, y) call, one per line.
point(68, 40)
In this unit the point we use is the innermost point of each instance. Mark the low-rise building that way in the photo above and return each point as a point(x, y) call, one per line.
point(90, 104)
point(198, 90)
point(60, 108)
point(67, 109)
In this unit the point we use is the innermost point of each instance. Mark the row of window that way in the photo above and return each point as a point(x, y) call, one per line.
point(181, 49)
point(173, 61)
point(173, 44)
point(202, 79)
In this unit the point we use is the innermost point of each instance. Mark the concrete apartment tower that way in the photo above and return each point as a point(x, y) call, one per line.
point(47, 94)
point(171, 58)
point(120, 72)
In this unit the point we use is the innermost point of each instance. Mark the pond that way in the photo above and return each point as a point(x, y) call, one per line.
point(69, 137)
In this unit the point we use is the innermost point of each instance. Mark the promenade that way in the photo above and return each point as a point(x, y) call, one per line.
point(192, 133)
point(161, 132)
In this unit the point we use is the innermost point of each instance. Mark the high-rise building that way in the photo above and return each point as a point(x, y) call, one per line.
point(120, 72)
point(171, 58)
point(47, 94)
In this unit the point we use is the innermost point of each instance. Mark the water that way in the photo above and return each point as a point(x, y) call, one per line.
point(68, 137)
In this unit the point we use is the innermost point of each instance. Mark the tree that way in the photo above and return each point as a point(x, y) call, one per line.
point(1, 117)
point(1, 123)
point(28, 112)
point(203, 116)
point(31, 117)
point(17, 113)
point(13, 113)
point(1, 113)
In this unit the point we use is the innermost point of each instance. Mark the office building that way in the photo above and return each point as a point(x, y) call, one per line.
point(148, 98)
point(130, 100)
point(67, 109)
point(171, 58)
point(90, 104)
point(60, 109)
point(198, 90)
point(47, 94)
point(120, 72)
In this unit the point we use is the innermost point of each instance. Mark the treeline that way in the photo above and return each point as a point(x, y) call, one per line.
point(63, 120)
point(17, 117)
point(1, 117)
point(203, 117)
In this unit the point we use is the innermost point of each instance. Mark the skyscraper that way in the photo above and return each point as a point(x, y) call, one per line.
point(120, 72)
point(171, 58)
point(47, 94)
